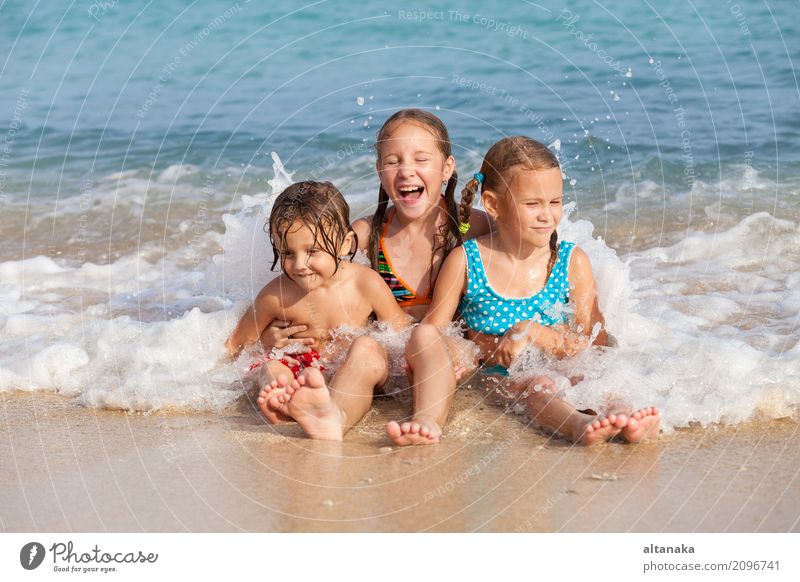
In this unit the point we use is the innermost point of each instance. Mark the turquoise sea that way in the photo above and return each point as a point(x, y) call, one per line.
point(136, 163)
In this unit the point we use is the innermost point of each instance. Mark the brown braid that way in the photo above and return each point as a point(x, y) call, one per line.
point(467, 196)
point(553, 254)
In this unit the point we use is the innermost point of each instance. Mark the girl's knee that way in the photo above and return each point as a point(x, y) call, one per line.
point(540, 390)
point(422, 338)
point(366, 346)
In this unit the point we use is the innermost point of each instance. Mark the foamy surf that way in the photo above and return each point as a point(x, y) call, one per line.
point(705, 329)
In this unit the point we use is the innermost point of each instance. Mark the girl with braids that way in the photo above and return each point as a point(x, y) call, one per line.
point(416, 223)
point(511, 287)
point(408, 241)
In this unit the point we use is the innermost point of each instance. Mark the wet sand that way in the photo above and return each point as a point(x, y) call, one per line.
point(69, 468)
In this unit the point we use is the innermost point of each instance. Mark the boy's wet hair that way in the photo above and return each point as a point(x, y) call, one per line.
point(507, 156)
point(449, 236)
point(321, 208)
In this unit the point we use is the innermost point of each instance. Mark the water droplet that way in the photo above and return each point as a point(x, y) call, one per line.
point(629, 74)
point(360, 100)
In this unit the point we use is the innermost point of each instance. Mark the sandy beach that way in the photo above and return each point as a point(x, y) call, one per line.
point(70, 468)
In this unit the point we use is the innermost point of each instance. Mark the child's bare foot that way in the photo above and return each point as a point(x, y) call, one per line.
point(602, 429)
point(420, 431)
point(642, 424)
point(269, 403)
point(309, 402)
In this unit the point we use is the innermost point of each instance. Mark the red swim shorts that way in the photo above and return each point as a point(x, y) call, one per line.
point(306, 360)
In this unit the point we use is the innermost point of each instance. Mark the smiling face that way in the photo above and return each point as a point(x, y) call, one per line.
point(412, 167)
point(304, 260)
point(531, 205)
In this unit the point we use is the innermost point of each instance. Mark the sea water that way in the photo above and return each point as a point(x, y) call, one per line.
point(137, 172)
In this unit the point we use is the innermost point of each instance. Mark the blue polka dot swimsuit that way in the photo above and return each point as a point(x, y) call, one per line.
point(486, 311)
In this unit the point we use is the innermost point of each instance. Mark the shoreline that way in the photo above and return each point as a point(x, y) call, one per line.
point(81, 470)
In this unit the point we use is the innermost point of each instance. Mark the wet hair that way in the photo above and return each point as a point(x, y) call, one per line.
point(448, 236)
point(321, 208)
point(506, 156)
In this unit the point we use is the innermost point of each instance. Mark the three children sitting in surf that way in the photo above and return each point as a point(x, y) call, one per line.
point(505, 273)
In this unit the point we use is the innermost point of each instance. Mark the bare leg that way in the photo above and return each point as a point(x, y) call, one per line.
point(273, 377)
point(433, 387)
point(327, 413)
point(560, 416)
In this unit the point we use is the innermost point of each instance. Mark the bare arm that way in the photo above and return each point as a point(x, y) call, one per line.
point(563, 341)
point(583, 296)
point(382, 301)
point(479, 224)
point(253, 322)
point(362, 228)
point(450, 286)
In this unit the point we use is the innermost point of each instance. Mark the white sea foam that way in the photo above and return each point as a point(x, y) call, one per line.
point(706, 329)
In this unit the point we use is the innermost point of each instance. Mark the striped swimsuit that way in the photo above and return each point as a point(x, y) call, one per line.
point(403, 294)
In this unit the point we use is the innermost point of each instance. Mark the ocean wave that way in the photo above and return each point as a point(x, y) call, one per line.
point(705, 328)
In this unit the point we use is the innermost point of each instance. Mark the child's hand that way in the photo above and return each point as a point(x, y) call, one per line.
point(278, 334)
point(573, 343)
point(507, 350)
point(487, 344)
point(501, 350)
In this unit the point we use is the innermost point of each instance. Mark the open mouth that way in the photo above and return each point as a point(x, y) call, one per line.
point(410, 192)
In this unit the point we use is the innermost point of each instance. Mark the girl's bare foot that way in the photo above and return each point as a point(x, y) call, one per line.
point(642, 424)
point(309, 402)
point(602, 429)
point(269, 403)
point(419, 431)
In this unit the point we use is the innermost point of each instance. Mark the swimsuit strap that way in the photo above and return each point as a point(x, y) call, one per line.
point(402, 292)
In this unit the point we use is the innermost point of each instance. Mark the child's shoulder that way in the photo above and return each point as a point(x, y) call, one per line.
point(367, 283)
point(361, 274)
point(483, 241)
point(457, 256)
point(578, 259)
point(276, 287)
point(362, 227)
